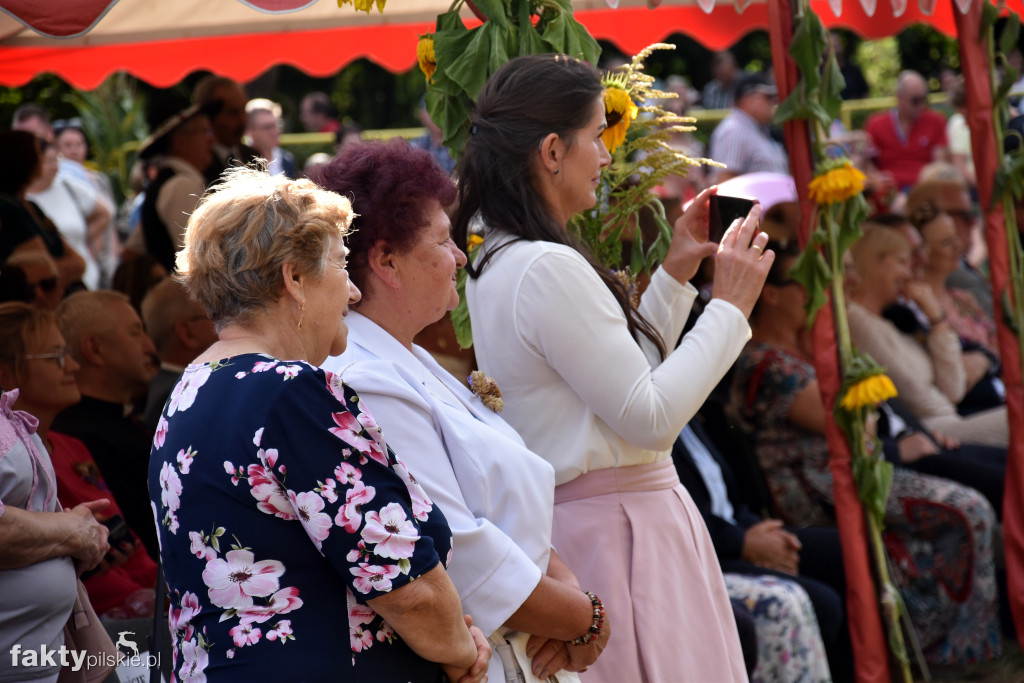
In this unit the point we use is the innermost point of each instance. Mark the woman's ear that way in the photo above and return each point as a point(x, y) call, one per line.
point(384, 265)
point(552, 153)
point(294, 282)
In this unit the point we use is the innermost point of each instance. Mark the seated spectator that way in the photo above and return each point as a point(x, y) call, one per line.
point(77, 211)
point(765, 564)
point(950, 194)
point(45, 376)
point(177, 150)
point(180, 330)
point(938, 533)
point(222, 100)
point(742, 141)
point(959, 135)
point(25, 226)
point(264, 133)
point(14, 285)
point(105, 337)
point(929, 373)
point(315, 165)
point(347, 134)
point(41, 275)
point(911, 135)
point(33, 118)
point(137, 275)
point(318, 114)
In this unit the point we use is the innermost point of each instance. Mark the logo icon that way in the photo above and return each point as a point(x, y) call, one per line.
point(127, 643)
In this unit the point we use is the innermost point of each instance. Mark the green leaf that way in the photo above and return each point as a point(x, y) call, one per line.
point(832, 84)
point(794, 106)
point(636, 257)
point(461, 54)
point(1011, 32)
point(460, 315)
point(857, 210)
point(818, 113)
point(989, 15)
point(813, 273)
point(450, 21)
point(809, 43)
point(494, 10)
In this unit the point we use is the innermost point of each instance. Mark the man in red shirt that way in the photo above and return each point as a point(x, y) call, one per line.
point(909, 137)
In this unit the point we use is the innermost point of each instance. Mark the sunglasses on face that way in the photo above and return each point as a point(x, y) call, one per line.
point(60, 355)
point(47, 284)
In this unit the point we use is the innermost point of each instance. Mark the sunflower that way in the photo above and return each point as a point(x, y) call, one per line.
point(425, 56)
point(869, 391)
point(363, 5)
point(620, 112)
point(839, 181)
point(474, 241)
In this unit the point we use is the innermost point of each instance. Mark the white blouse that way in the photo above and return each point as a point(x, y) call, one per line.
point(498, 497)
point(577, 387)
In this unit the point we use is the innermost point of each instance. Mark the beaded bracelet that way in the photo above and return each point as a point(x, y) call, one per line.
point(595, 626)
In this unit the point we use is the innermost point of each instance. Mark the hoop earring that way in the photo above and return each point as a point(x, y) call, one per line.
point(302, 312)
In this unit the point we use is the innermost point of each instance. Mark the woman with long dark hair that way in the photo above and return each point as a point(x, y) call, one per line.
point(586, 377)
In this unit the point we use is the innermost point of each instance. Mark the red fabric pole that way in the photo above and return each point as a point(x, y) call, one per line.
point(987, 151)
point(866, 632)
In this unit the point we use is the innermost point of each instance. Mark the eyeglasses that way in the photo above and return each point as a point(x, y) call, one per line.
point(60, 355)
point(46, 284)
point(962, 215)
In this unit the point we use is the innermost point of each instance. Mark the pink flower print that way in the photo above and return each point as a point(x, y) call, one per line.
point(170, 487)
point(258, 437)
point(245, 635)
point(358, 554)
point(360, 637)
point(370, 425)
point(282, 602)
point(199, 547)
point(234, 581)
point(236, 474)
point(350, 515)
point(371, 577)
point(268, 457)
point(385, 632)
point(282, 630)
point(230, 654)
point(348, 431)
point(392, 532)
point(239, 375)
point(171, 520)
point(317, 524)
point(289, 371)
point(184, 394)
point(360, 613)
point(421, 503)
point(181, 619)
point(194, 662)
point(336, 387)
point(328, 489)
point(185, 459)
point(346, 474)
point(161, 433)
point(263, 365)
point(271, 494)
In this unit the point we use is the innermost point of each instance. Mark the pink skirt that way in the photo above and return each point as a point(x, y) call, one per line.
point(634, 537)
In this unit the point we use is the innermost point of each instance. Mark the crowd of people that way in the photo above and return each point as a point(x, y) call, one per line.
point(224, 381)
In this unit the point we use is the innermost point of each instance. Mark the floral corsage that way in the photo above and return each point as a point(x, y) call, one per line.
point(486, 390)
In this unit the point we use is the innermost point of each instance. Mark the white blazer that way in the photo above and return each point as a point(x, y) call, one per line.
point(498, 496)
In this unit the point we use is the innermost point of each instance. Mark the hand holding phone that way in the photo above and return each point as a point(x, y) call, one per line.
point(723, 211)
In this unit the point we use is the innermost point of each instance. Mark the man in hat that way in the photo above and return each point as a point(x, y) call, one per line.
point(742, 140)
point(909, 137)
point(223, 101)
point(177, 151)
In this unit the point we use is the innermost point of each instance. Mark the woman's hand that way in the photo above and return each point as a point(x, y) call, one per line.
point(924, 296)
point(742, 264)
point(582, 656)
point(690, 243)
point(547, 656)
point(477, 671)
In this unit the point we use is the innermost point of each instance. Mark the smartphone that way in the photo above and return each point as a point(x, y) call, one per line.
point(723, 211)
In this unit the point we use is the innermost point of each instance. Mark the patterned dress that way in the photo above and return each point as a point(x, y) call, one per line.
point(281, 512)
point(938, 533)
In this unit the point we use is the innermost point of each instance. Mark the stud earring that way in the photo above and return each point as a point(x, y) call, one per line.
point(557, 170)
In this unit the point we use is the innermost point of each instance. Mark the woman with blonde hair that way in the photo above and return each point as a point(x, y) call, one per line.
point(928, 370)
point(283, 515)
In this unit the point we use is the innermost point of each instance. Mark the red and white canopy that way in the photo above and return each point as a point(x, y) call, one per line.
point(83, 41)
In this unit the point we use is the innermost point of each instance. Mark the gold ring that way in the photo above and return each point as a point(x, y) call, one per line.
point(759, 248)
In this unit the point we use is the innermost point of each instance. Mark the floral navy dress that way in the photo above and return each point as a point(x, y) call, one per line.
point(281, 511)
